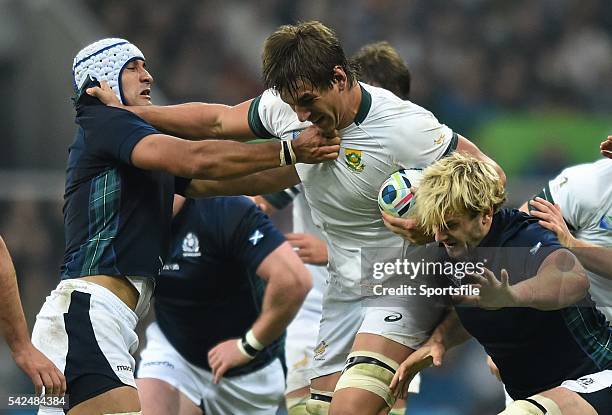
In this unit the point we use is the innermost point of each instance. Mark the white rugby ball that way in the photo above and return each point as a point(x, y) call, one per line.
point(394, 196)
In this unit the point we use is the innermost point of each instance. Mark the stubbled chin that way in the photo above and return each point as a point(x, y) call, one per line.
point(455, 251)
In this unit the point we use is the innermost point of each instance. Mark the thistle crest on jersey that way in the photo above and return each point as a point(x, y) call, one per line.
point(353, 159)
point(394, 196)
point(191, 245)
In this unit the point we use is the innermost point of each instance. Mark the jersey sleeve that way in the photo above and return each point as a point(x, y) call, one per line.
point(112, 133)
point(270, 117)
point(249, 235)
point(421, 140)
point(282, 199)
point(542, 243)
point(563, 190)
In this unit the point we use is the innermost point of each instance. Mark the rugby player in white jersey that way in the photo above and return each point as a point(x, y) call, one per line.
point(577, 206)
point(311, 81)
point(379, 65)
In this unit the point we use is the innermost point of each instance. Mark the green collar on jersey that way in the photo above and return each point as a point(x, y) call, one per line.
point(364, 106)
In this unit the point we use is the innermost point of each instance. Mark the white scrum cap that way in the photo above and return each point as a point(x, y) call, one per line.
point(104, 60)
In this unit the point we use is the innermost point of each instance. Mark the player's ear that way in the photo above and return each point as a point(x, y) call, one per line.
point(487, 216)
point(339, 77)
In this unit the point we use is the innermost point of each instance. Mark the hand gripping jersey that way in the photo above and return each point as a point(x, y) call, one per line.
point(585, 196)
point(386, 135)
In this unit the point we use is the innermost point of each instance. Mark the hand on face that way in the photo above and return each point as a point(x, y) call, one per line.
point(312, 147)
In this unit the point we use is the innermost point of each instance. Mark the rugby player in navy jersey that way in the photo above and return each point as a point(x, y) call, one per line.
point(120, 180)
point(553, 353)
point(225, 296)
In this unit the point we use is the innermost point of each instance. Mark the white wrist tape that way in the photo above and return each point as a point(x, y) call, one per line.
point(252, 340)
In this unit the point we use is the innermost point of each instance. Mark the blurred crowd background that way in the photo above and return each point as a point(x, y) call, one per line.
point(528, 80)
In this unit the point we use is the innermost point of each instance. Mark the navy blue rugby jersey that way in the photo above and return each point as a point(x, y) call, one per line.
point(116, 216)
point(534, 350)
point(208, 291)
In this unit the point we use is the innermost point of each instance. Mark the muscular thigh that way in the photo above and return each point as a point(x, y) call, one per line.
point(160, 398)
point(118, 400)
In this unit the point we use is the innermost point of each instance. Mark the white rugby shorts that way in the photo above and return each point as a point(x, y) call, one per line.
point(257, 393)
point(88, 333)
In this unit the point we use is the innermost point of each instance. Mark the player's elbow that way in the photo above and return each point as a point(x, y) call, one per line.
point(298, 285)
point(581, 284)
point(575, 288)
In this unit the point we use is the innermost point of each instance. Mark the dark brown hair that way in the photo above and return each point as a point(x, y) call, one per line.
point(307, 52)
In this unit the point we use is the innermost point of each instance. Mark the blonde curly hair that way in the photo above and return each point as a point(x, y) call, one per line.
point(456, 185)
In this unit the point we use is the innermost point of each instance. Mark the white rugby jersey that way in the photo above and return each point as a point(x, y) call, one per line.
point(386, 135)
point(584, 193)
point(302, 223)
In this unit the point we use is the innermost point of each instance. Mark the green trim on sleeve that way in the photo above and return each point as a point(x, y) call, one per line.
point(545, 194)
point(255, 123)
point(452, 146)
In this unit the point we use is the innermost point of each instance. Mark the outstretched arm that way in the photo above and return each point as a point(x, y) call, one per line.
point(560, 282)
point(218, 159)
point(267, 181)
point(14, 329)
point(194, 120)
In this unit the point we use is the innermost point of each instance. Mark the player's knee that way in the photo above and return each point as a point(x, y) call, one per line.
point(319, 402)
point(534, 405)
point(297, 406)
point(369, 371)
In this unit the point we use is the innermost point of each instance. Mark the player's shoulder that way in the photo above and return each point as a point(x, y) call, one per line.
point(270, 116)
point(586, 185)
point(224, 207)
point(270, 100)
point(514, 228)
point(102, 119)
point(388, 109)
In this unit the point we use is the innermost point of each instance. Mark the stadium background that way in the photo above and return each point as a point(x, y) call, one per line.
point(529, 81)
